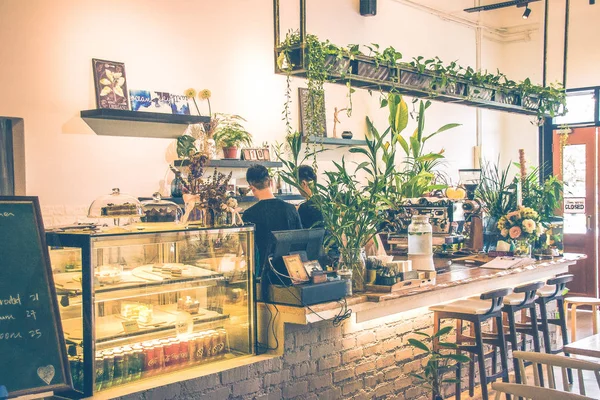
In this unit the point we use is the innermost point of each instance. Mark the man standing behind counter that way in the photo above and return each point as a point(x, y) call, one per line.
point(269, 214)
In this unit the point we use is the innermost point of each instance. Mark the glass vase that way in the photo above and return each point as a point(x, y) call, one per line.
point(521, 247)
point(491, 234)
point(223, 218)
point(355, 260)
point(195, 214)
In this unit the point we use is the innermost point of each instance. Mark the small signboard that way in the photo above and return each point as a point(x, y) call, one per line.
point(33, 356)
point(574, 205)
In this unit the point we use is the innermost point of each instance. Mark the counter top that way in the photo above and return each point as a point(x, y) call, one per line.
point(459, 281)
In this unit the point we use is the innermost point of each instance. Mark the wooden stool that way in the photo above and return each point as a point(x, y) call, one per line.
point(489, 306)
point(575, 302)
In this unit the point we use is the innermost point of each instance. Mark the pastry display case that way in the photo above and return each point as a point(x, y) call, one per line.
point(138, 304)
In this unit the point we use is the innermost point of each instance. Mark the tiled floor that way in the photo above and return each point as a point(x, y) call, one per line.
point(584, 325)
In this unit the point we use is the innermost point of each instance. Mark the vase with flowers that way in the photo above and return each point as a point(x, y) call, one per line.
point(521, 226)
point(199, 137)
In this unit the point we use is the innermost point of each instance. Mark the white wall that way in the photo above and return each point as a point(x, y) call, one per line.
point(226, 46)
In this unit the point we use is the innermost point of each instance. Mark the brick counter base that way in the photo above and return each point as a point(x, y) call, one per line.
point(353, 361)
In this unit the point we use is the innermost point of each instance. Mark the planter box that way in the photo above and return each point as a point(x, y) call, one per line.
point(453, 88)
point(506, 97)
point(416, 80)
point(480, 92)
point(367, 69)
point(337, 66)
point(531, 102)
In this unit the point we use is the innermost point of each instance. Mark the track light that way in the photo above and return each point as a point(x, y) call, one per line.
point(526, 12)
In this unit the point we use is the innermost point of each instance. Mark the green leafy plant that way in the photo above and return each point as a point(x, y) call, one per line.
point(290, 157)
point(438, 362)
point(545, 198)
point(230, 132)
point(496, 190)
point(420, 174)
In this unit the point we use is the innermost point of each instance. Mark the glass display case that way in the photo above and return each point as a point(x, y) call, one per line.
point(139, 304)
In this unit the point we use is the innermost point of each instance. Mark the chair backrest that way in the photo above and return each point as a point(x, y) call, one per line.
point(552, 360)
point(496, 296)
point(560, 282)
point(533, 392)
point(529, 291)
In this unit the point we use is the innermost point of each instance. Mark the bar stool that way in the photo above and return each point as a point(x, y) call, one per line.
point(489, 306)
point(553, 291)
point(575, 302)
point(522, 299)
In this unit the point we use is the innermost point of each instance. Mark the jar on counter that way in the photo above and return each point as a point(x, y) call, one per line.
point(149, 358)
point(346, 275)
point(420, 243)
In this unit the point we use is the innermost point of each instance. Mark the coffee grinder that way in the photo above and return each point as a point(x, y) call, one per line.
point(472, 208)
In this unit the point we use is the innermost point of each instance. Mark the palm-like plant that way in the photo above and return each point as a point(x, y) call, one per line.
point(420, 175)
point(496, 190)
point(438, 363)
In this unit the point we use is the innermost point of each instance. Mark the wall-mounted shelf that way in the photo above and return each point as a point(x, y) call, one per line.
point(232, 163)
point(240, 199)
point(336, 141)
point(139, 124)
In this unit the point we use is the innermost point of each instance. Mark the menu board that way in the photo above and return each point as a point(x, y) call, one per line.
point(33, 356)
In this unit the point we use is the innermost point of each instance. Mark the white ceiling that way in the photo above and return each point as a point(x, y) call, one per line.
point(508, 18)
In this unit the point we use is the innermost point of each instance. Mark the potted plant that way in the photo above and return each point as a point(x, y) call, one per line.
point(438, 363)
point(230, 134)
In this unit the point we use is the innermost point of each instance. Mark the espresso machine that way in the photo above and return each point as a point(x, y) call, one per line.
point(446, 217)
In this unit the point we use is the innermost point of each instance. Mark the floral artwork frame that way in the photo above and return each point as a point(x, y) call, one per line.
point(110, 83)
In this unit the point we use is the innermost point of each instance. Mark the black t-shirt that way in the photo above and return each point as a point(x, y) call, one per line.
point(268, 216)
point(310, 215)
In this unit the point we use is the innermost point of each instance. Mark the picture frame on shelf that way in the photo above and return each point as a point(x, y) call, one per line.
point(110, 83)
point(305, 98)
point(252, 154)
point(295, 268)
point(266, 154)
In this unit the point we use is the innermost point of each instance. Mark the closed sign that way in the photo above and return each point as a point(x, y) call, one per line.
point(575, 205)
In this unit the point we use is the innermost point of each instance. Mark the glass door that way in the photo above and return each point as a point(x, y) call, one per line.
point(576, 163)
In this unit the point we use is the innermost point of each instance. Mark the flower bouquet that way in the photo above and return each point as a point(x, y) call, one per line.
point(522, 227)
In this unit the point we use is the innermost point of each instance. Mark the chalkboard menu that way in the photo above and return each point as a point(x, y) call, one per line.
point(33, 355)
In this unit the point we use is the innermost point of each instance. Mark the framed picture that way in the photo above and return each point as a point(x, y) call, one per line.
point(266, 154)
point(296, 270)
point(111, 84)
point(311, 266)
point(260, 155)
point(308, 108)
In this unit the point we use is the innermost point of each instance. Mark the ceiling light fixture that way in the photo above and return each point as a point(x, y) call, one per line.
point(526, 12)
point(592, 2)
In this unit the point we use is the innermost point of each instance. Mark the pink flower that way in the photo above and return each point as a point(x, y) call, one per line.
point(504, 232)
point(514, 232)
point(529, 225)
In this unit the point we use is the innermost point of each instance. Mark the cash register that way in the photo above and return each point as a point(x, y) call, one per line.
point(295, 256)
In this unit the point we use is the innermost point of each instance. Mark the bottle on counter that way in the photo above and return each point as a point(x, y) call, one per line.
point(109, 368)
point(138, 358)
point(119, 368)
point(99, 369)
point(420, 243)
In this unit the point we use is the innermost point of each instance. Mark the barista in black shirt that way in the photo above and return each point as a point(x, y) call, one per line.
point(269, 214)
point(310, 215)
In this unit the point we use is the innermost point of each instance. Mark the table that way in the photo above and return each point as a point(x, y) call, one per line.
point(590, 346)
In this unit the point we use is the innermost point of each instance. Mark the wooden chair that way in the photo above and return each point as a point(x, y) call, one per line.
point(553, 360)
point(571, 304)
point(533, 392)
